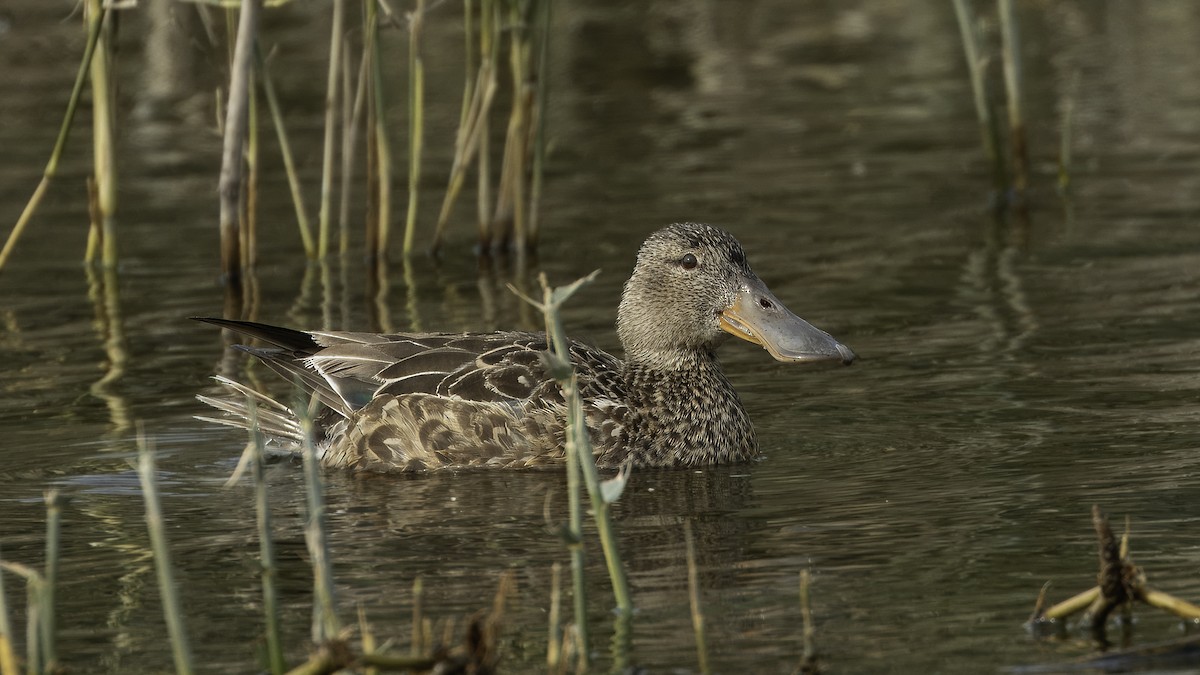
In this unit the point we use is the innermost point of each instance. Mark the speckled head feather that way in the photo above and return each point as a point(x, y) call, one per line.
point(419, 401)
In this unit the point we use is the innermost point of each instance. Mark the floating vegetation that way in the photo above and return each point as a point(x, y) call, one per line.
point(1120, 585)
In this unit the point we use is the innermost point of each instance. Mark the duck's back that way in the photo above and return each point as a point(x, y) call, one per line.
point(422, 401)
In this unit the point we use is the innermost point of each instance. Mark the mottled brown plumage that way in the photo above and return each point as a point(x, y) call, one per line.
point(408, 402)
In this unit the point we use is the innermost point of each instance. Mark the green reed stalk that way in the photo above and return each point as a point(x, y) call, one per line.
point(511, 198)
point(490, 32)
point(694, 597)
point(578, 444)
point(353, 95)
point(266, 543)
point(416, 121)
point(1011, 35)
point(541, 96)
point(325, 622)
point(575, 531)
point(8, 657)
point(472, 131)
point(418, 592)
point(337, 32)
point(367, 637)
point(64, 132)
point(383, 152)
point(469, 65)
point(236, 116)
point(1064, 148)
point(34, 596)
point(250, 215)
point(808, 660)
point(102, 235)
point(554, 638)
point(289, 163)
point(180, 649)
point(988, 129)
point(49, 630)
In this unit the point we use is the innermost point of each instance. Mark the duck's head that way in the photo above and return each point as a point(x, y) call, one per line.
point(692, 288)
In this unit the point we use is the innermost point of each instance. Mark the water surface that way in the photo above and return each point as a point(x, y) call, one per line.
point(1011, 375)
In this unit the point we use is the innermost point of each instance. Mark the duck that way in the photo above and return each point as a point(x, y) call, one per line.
point(410, 402)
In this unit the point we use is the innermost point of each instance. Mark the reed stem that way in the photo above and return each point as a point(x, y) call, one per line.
point(988, 130)
point(337, 32)
point(694, 597)
point(104, 152)
point(554, 638)
point(147, 474)
point(489, 49)
point(235, 138)
point(383, 152)
point(250, 208)
point(289, 163)
point(541, 96)
point(64, 132)
point(352, 110)
point(49, 630)
point(325, 621)
point(1010, 32)
point(416, 122)
point(8, 657)
point(266, 544)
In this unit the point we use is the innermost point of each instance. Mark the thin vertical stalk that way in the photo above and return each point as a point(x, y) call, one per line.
point(468, 138)
point(510, 201)
point(285, 149)
point(694, 597)
point(383, 152)
point(489, 46)
point(580, 459)
point(554, 638)
point(325, 622)
point(578, 571)
point(331, 103)
point(235, 137)
point(49, 631)
point(162, 554)
point(1064, 147)
point(33, 625)
point(64, 132)
point(469, 65)
point(539, 140)
point(368, 639)
point(104, 151)
point(1012, 84)
point(988, 131)
point(352, 109)
point(8, 657)
point(266, 544)
point(418, 592)
point(577, 440)
point(250, 213)
point(416, 121)
point(808, 659)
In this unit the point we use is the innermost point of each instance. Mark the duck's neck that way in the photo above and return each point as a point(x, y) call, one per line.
point(683, 411)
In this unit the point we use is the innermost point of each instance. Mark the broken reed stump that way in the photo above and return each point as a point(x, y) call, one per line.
point(1119, 584)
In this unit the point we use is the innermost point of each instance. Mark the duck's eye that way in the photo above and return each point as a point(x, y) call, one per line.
point(688, 262)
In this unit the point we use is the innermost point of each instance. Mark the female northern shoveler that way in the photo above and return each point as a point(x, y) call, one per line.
point(414, 401)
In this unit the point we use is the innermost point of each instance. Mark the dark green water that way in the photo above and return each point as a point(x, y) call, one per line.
point(1008, 379)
